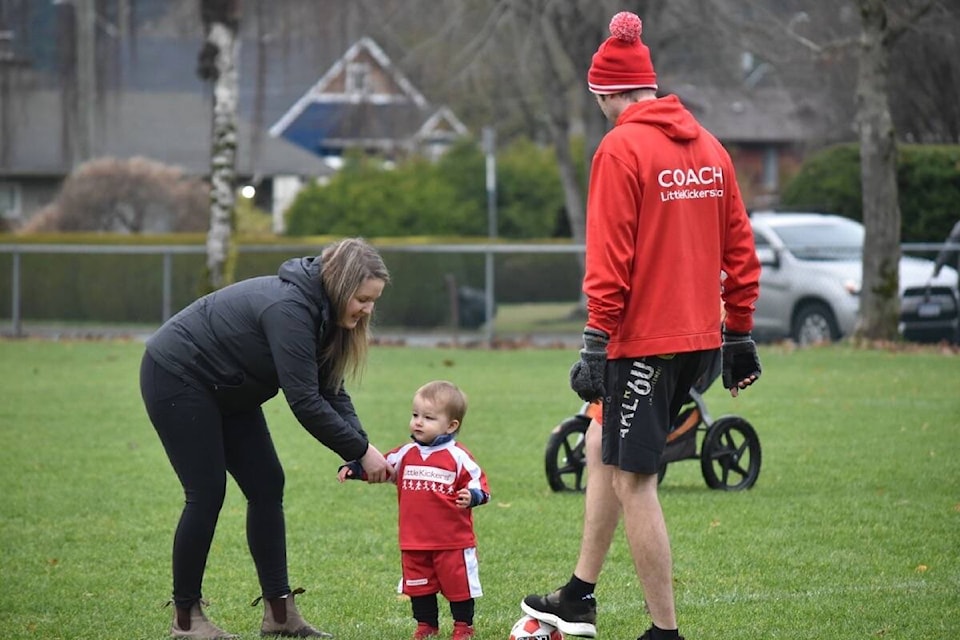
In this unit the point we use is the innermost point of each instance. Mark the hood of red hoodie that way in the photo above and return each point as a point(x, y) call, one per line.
point(667, 114)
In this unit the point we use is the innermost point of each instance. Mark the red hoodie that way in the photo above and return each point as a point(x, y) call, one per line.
point(664, 220)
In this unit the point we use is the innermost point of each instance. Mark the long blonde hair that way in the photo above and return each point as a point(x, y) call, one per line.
point(344, 266)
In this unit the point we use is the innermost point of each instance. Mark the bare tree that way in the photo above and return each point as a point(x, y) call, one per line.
point(130, 195)
point(879, 299)
point(879, 294)
point(879, 30)
point(553, 43)
point(522, 64)
point(925, 63)
point(218, 64)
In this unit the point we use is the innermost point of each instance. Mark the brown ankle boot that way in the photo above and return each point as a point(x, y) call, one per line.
point(281, 618)
point(192, 623)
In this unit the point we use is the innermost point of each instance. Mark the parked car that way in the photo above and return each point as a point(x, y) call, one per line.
point(811, 277)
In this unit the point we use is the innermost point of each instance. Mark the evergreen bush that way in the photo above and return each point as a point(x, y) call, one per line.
point(443, 198)
point(928, 178)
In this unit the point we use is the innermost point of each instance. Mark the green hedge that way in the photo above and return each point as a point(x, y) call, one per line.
point(124, 288)
point(928, 178)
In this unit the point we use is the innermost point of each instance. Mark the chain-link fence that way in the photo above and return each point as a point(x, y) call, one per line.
point(435, 288)
point(484, 292)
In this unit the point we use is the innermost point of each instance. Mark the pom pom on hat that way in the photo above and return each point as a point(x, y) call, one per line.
point(622, 63)
point(626, 26)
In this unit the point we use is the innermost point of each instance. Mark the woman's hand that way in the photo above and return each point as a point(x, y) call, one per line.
point(376, 466)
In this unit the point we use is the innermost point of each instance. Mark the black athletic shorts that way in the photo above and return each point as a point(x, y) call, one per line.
point(644, 396)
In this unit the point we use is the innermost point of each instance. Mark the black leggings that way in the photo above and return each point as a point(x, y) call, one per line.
point(426, 609)
point(203, 445)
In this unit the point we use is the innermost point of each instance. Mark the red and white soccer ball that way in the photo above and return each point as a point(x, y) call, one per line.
point(529, 628)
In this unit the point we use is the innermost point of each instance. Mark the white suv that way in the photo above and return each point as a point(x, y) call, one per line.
point(811, 274)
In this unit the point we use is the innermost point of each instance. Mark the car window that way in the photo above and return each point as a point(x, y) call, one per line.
point(826, 240)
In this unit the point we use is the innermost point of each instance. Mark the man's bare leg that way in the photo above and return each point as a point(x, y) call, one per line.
point(572, 608)
point(649, 543)
point(601, 511)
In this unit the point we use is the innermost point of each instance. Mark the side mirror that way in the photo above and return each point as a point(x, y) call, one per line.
point(768, 257)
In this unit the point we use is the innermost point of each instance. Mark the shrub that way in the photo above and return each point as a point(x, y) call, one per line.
point(443, 198)
point(126, 196)
point(928, 179)
point(828, 181)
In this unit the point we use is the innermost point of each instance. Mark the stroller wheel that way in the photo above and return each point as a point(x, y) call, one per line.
point(730, 455)
point(565, 457)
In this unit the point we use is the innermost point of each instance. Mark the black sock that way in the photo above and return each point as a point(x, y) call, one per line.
point(462, 611)
point(656, 633)
point(577, 589)
point(425, 609)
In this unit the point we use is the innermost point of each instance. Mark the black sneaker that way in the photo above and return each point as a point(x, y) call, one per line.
point(648, 635)
point(571, 617)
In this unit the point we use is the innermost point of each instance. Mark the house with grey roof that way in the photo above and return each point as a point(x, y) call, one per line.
point(365, 102)
point(170, 127)
point(765, 130)
point(303, 103)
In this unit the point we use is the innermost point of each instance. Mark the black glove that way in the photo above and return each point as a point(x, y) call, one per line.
point(586, 375)
point(355, 469)
point(739, 357)
point(478, 497)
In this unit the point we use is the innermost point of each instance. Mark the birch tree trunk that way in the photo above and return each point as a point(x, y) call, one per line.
point(879, 295)
point(218, 63)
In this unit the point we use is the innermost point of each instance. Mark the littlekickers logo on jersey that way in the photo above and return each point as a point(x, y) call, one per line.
point(690, 184)
point(418, 473)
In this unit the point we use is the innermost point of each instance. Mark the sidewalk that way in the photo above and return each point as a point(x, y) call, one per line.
point(386, 337)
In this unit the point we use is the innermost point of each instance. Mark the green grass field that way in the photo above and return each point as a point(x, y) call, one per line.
point(852, 531)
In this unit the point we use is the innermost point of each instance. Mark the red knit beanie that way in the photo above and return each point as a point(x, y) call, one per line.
point(622, 63)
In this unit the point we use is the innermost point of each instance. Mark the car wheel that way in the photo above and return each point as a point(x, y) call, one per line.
point(814, 323)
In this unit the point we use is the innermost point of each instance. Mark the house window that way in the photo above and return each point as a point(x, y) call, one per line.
point(9, 200)
point(358, 78)
point(771, 169)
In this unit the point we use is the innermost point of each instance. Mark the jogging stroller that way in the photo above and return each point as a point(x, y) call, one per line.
point(729, 449)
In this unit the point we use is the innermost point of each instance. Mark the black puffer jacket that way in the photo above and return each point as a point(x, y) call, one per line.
point(248, 340)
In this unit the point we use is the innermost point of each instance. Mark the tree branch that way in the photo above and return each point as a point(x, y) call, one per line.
point(895, 32)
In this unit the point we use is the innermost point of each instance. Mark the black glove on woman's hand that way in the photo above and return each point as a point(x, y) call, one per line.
point(739, 358)
point(587, 374)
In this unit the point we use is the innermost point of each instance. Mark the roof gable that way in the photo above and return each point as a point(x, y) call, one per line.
point(383, 83)
point(364, 100)
point(442, 124)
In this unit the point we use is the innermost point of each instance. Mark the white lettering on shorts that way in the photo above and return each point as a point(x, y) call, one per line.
point(419, 582)
point(638, 386)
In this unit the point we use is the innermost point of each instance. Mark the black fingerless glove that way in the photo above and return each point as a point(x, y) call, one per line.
point(739, 357)
point(587, 374)
point(355, 470)
point(478, 497)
